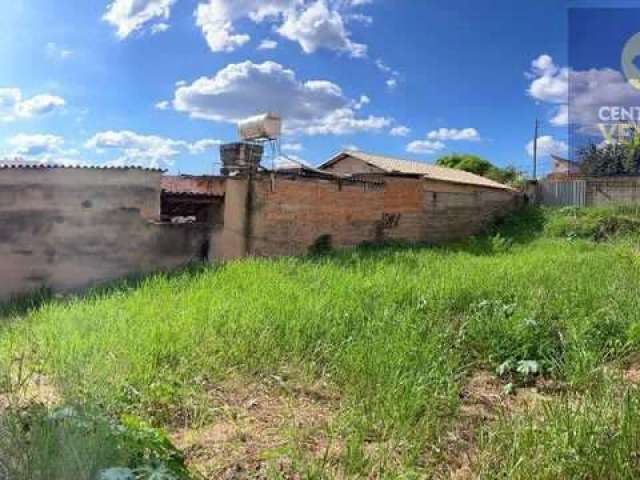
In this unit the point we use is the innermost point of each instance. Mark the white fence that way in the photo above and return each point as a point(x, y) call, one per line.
point(564, 193)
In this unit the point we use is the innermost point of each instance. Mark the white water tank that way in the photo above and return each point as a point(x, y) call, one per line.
point(267, 126)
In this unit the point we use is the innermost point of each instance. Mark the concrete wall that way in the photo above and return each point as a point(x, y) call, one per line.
point(458, 214)
point(64, 228)
point(288, 215)
point(612, 191)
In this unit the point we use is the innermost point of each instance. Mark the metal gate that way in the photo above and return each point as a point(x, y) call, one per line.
point(565, 193)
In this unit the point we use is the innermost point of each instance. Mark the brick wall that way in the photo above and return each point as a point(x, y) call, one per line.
point(288, 215)
point(291, 214)
point(204, 184)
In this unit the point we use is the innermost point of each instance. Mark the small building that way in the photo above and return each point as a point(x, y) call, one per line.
point(564, 168)
point(357, 163)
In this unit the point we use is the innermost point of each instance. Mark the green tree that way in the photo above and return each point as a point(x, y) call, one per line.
point(621, 158)
point(466, 162)
point(480, 166)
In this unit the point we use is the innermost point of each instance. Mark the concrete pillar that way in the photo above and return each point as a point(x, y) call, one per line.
point(233, 241)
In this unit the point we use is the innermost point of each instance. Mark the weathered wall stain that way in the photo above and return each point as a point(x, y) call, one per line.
point(69, 228)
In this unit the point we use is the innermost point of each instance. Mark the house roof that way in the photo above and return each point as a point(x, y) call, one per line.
point(49, 166)
point(392, 165)
point(566, 160)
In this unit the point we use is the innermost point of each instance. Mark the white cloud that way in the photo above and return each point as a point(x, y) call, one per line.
point(394, 75)
point(159, 28)
point(425, 146)
point(57, 52)
point(312, 24)
point(561, 117)
point(318, 26)
point(39, 105)
point(590, 89)
point(146, 150)
point(35, 145)
point(550, 82)
point(364, 100)
point(268, 44)
point(12, 106)
point(593, 89)
point(548, 145)
point(202, 146)
point(292, 147)
point(444, 134)
point(215, 20)
point(359, 17)
point(129, 16)
point(241, 90)
point(10, 98)
point(163, 105)
point(400, 131)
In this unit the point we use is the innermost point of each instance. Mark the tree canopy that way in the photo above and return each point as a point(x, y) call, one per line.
point(480, 166)
point(611, 159)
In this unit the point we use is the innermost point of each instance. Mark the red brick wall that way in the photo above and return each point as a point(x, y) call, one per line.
point(194, 184)
point(290, 214)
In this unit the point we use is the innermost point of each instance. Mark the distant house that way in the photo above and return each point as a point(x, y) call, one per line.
point(563, 168)
point(357, 163)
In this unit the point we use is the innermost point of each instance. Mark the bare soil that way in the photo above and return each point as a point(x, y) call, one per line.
point(260, 426)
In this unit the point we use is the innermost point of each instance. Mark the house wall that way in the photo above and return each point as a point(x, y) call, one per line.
point(458, 214)
point(350, 165)
point(288, 215)
point(65, 228)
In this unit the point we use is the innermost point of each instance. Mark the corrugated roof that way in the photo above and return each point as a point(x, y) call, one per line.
point(191, 194)
point(399, 166)
point(44, 166)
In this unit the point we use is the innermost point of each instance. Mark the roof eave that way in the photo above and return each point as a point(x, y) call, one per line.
point(471, 184)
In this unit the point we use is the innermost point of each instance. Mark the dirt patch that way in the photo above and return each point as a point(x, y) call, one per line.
point(38, 390)
point(631, 374)
point(260, 426)
point(483, 399)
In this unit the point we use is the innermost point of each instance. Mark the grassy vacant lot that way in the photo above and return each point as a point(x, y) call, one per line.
point(507, 356)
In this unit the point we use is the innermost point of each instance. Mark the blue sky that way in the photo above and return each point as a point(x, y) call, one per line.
point(161, 82)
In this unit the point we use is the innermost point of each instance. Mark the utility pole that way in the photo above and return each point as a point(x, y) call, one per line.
point(535, 152)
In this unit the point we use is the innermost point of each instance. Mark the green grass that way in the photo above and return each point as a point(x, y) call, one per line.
point(395, 329)
point(592, 435)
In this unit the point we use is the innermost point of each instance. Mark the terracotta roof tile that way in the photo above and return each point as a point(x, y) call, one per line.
point(395, 165)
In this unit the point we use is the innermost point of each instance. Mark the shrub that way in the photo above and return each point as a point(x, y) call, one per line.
point(598, 224)
point(39, 443)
